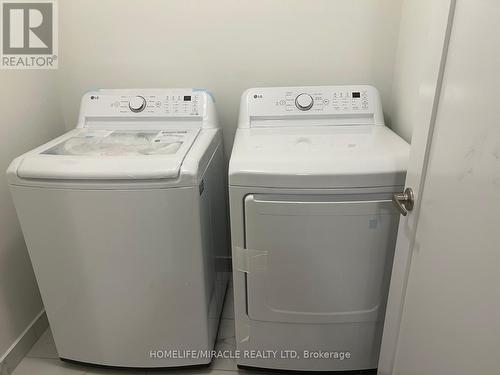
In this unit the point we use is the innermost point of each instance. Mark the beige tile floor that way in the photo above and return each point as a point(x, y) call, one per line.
point(42, 359)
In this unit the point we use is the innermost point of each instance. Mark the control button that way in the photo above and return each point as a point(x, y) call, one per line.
point(304, 102)
point(326, 101)
point(137, 104)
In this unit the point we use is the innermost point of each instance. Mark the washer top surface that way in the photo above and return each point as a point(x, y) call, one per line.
point(318, 157)
point(96, 154)
point(130, 136)
point(101, 142)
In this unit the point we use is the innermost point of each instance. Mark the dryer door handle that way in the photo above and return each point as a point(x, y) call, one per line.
point(404, 201)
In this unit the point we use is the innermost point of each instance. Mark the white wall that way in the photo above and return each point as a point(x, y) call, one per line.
point(29, 116)
point(224, 45)
point(409, 62)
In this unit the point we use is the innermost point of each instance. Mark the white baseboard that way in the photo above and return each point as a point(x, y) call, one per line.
point(23, 344)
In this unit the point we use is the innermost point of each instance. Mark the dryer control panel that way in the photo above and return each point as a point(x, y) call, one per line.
point(339, 104)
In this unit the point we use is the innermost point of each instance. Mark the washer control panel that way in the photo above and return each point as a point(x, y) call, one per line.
point(181, 107)
point(174, 103)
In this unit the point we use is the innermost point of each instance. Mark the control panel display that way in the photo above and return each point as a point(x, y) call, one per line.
point(355, 101)
point(338, 101)
point(317, 105)
point(176, 105)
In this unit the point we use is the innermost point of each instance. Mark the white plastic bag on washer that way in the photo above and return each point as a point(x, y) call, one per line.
point(117, 143)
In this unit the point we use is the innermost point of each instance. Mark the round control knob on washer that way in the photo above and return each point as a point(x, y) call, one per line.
point(304, 102)
point(137, 104)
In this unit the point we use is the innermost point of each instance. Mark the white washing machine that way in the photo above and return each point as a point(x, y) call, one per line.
point(124, 218)
point(311, 177)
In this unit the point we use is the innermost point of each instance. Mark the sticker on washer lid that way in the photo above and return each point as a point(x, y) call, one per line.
point(165, 136)
point(249, 260)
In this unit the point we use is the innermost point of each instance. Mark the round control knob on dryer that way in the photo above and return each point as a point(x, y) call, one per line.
point(137, 104)
point(304, 102)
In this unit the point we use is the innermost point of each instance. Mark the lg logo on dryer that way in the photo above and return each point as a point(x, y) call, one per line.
point(29, 34)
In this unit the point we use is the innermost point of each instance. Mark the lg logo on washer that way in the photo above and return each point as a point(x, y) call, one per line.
point(29, 34)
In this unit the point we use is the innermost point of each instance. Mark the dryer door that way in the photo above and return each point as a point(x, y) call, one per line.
point(322, 259)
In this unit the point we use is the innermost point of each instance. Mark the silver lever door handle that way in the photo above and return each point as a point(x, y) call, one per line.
point(404, 201)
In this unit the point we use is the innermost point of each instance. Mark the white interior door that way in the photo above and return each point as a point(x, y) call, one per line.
point(444, 303)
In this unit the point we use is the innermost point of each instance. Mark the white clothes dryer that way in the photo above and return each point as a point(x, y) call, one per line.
point(313, 228)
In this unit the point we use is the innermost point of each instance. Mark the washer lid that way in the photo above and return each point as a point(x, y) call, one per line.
point(318, 157)
point(110, 154)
